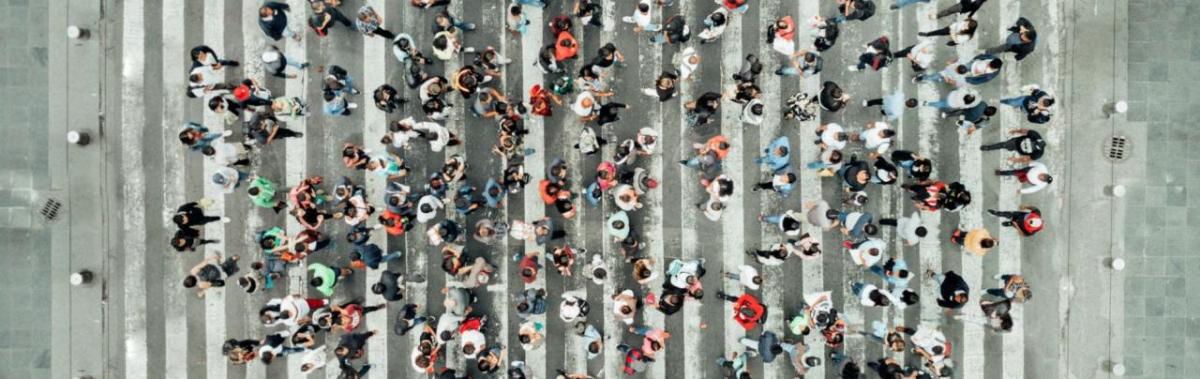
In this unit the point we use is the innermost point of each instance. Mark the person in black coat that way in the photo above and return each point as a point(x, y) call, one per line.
point(1021, 40)
point(272, 18)
point(390, 286)
point(954, 291)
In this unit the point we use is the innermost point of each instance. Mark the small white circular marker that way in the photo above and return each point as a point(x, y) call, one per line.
point(73, 136)
point(1121, 106)
point(1117, 190)
point(1117, 369)
point(1117, 264)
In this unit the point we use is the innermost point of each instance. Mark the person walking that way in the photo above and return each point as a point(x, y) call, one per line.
point(273, 20)
point(1036, 175)
point(1036, 104)
point(978, 241)
point(210, 273)
point(1027, 219)
point(1027, 143)
point(953, 290)
point(1021, 40)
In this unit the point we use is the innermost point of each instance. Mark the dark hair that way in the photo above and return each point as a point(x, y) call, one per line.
point(445, 335)
point(440, 42)
point(996, 63)
point(253, 191)
point(888, 133)
point(1049, 100)
point(911, 103)
point(989, 111)
point(189, 281)
point(969, 98)
point(267, 242)
point(910, 297)
point(871, 229)
point(961, 69)
point(643, 7)
point(524, 339)
point(921, 231)
point(987, 243)
point(316, 282)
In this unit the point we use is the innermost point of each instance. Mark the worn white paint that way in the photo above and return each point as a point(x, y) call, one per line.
point(214, 298)
point(133, 120)
point(175, 296)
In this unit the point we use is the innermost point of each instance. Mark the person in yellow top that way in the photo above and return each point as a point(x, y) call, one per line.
point(977, 241)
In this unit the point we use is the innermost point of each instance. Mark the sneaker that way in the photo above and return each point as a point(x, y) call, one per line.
point(852, 68)
point(847, 244)
point(865, 104)
point(352, 106)
point(227, 133)
point(226, 220)
point(944, 115)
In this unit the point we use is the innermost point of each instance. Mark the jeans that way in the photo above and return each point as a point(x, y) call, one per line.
point(942, 105)
point(532, 3)
point(773, 219)
point(294, 63)
point(1015, 102)
point(817, 165)
point(787, 71)
point(934, 77)
point(856, 288)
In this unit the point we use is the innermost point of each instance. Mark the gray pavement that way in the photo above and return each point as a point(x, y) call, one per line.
point(121, 190)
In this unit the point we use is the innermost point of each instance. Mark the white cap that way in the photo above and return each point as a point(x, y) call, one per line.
point(270, 56)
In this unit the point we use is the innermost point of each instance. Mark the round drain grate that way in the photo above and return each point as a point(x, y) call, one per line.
point(1117, 148)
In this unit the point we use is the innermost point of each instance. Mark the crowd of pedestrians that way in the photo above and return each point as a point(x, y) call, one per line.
point(858, 157)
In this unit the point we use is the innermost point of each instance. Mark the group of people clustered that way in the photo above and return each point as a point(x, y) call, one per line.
point(405, 203)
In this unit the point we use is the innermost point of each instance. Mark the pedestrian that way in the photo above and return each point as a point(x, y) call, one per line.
point(1021, 40)
point(642, 19)
point(961, 98)
point(209, 273)
point(865, 253)
point(714, 25)
point(777, 155)
point(324, 278)
point(1027, 143)
point(983, 68)
point(747, 310)
point(747, 276)
point(967, 7)
point(781, 183)
point(370, 24)
point(324, 15)
point(1036, 104)
point(1027, 219)
point(953, 290)
point(1012, 287)
point(673, 31)
point(1036, 174)
point(977, 241)
point(272, 19)
point(960, 32)
point(276, 63)
point(877, 54)
point(788, 222)
point(860, 10)
point(892, 106)
point(871, 296)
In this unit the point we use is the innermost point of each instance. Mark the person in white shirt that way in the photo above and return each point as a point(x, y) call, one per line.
point(871, 296)
point(747, 276)
point(714, 25)
point(1036, 175)
point(877, 136)
point(866, 253)
point(920, 54)
point(313, 360)
point(833, 137)
point(642, 18)
point(752, 112)
point(585, 105)
point(626, 198)
point(688, 62)
point(959, 99)
point(427, 208)
point(954, 74)
point(909, 228)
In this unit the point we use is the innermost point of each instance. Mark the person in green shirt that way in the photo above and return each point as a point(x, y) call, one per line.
point(325, 277)
point(273, 240)
point(262, 194)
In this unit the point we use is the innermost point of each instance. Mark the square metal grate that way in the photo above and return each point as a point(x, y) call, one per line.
point(1117, 148)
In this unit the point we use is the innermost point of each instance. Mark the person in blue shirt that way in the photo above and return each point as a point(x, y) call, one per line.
point(777, 155)
point(337, 105)
point(892, 106)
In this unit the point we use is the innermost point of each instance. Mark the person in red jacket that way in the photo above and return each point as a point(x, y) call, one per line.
point(1027, 220)
point(747, 310)
point(565, 47)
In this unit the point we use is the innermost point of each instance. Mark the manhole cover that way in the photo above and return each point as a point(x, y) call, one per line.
point(1117, 148)
point(50, 209)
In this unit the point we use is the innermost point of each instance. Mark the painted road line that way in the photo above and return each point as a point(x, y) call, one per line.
point(416, 248)
point(175, 299)
point(693, 333)
point(535, 163)
point(773, 296)
point(970, 217)
point(613, 330)
point(214, 298)
point(296, 155)
point(931, 251)
point(133, 119)
point(375, 122)
point(810, 189)
point(253, 45)
point(500, 305)
point(574, 359)
point(733, 236)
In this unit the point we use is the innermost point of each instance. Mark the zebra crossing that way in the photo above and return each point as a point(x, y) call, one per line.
point(669, 222)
